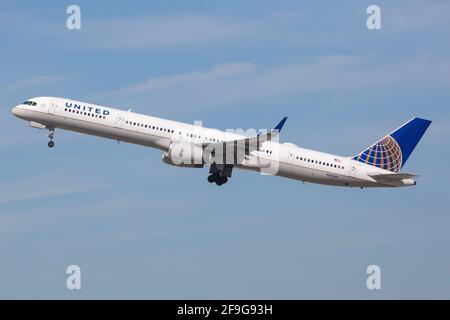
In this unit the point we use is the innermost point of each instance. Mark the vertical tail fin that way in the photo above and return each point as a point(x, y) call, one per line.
point(392, 152)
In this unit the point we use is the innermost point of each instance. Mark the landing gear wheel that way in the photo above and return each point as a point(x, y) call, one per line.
point(51, 144)
point(219, 173)
point(221, 180)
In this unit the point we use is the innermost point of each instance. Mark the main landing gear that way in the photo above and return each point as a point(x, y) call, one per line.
point(215, 177)
point(219, 173)
point(51, 144)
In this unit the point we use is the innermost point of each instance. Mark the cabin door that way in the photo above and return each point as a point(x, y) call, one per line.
point(120, 120)
point(52, 106)
point(354, 168)
point(291, 157)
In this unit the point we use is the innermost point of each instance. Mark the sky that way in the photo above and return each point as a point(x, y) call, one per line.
point(140, 229)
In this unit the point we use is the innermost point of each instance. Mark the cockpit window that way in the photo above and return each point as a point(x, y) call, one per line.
point(30, 103)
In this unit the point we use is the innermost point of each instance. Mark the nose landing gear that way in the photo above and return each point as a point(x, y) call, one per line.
point(51, 144)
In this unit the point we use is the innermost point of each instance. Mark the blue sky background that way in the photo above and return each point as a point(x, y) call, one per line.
point(141, 229)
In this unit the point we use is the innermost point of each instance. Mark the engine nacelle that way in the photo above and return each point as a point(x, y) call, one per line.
point(184, 154)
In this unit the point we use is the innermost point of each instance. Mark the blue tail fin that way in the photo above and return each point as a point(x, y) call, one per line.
point(392, 152)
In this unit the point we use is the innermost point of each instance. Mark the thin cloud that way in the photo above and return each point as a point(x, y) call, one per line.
point(38, 187)
point(166, 31)
point(295, 27)
point(12, 141)
point(36, 192)
point(33, 81)
point(156, 32)
point(246, 83)
point(229, 70)
point(416, 16)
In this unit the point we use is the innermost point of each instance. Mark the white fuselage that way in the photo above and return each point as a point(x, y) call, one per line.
point(292, 162)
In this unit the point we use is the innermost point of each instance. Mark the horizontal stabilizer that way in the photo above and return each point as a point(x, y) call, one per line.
point(394, 179)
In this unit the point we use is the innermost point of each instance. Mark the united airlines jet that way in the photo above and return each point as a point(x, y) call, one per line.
point(193, 146)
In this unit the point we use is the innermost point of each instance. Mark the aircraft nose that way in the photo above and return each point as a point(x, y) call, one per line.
point(15, 111)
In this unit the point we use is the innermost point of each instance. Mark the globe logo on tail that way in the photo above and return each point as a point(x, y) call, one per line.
point(385, 154)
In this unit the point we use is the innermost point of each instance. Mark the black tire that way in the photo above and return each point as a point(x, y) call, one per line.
point(221, 180)
point(51, 144)
point(211, 178)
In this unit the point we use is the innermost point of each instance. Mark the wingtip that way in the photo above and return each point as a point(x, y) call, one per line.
point(281, 124)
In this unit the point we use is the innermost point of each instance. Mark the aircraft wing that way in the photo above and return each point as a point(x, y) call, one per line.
point(249, 144)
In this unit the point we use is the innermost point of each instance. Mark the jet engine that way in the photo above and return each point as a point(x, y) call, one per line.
point(184, 154)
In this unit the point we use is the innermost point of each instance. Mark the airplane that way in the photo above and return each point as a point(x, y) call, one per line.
point(193, 146)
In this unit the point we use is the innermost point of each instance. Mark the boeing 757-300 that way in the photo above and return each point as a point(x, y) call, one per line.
point(193, 146)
